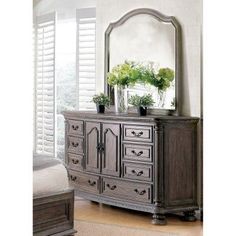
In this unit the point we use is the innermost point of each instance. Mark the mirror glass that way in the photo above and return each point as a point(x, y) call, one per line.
point(145, 39)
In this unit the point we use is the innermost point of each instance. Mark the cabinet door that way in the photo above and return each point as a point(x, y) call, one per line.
point(92, 144)
point(111, 149)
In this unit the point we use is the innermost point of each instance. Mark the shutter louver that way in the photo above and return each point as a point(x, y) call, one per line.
point(86, 70)
point(45, 85)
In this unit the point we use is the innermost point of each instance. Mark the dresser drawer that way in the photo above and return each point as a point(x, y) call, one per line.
point(84, 182)
point(137, 152)
point(127, 190)
point(75, 161)
point(137, 133)
point(75, 145)
point(137, 171)
point(75, 127)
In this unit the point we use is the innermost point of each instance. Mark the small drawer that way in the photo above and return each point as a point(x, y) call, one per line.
point(137, 133)
point(136, 171)
point(84, 182)
point(127, 190)
point(137, 152)
point(75, 145)
point(75, 127)
point(75, 161)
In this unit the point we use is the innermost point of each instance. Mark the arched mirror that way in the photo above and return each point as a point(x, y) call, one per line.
point(147, 38)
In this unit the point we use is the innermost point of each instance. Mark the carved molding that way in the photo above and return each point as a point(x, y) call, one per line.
point(106, 132)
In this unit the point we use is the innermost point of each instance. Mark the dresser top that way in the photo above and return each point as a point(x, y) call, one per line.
point(126, 117)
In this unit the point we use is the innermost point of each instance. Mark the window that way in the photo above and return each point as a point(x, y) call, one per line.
point(86, 54)
point(64, 76)
point(45, 85)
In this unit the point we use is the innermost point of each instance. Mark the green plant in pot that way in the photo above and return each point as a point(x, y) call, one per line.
point(162, 80)
point(121, 77)
point(101, 102)
point(142, 103)
point(131, 73)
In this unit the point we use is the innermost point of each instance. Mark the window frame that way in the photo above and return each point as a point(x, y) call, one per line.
point(38, 20)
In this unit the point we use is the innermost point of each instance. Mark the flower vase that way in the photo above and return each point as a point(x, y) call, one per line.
point(162, 98)
point(121, 99)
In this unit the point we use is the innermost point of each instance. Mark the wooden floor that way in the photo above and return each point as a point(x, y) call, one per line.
point(87, 211)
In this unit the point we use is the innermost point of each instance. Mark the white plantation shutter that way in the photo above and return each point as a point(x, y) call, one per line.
point(45, 85)
point(85, 57)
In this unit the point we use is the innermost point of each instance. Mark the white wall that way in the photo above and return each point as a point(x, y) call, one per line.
point(189, 15)
point(65, 8)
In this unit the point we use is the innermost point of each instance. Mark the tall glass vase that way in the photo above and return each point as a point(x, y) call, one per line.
point(162, 98)
point(121, 99)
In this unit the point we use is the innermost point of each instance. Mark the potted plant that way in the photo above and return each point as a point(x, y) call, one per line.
point(121, 77)
point(162, 80)
point(141, 102)
point(124, 74)
point(101, 102)
point(130, 73)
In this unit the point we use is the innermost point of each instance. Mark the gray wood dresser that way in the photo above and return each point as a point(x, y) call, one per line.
point(142, 163)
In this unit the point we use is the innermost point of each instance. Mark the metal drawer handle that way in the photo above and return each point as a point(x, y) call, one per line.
point(74, 144)
point(91, 183)
point(75, 127)
point(137, 154)
point(137, 173)
point(140, 193)
point(75, 161)
point(73, 178)
point(111, 187)
point(137, 134)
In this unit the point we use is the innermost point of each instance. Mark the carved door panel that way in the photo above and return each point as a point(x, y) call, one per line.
point(111, 149)
point(92, 147)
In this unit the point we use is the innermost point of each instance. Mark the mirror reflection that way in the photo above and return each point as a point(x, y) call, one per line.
point(144, 43)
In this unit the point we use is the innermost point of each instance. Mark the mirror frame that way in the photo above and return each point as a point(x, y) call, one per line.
point(178, 58)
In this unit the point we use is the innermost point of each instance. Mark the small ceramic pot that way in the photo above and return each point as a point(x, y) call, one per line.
point(100, 108)
point(142, 111)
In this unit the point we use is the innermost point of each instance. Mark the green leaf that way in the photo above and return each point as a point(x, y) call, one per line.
point(101, 99)
point(141, 101)
point(130, 73)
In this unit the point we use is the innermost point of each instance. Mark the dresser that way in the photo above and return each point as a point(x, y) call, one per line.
point(146, 163)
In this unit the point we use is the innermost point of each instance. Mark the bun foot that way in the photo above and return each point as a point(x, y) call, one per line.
point(189, 216)
point(158, 219)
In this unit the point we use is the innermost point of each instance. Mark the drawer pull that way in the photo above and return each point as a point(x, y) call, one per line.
point(73, 178)
point(75, 127)
point(111, 187)
point(75, 161)
point(137, 154)
point(74, 144)
point(137, 134)
point(137, 173)
point(91, 183)
point(140, 193)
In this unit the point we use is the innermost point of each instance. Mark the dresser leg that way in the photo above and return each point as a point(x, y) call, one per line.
point(201, 214)
point(158, 219)
point(189, 216)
